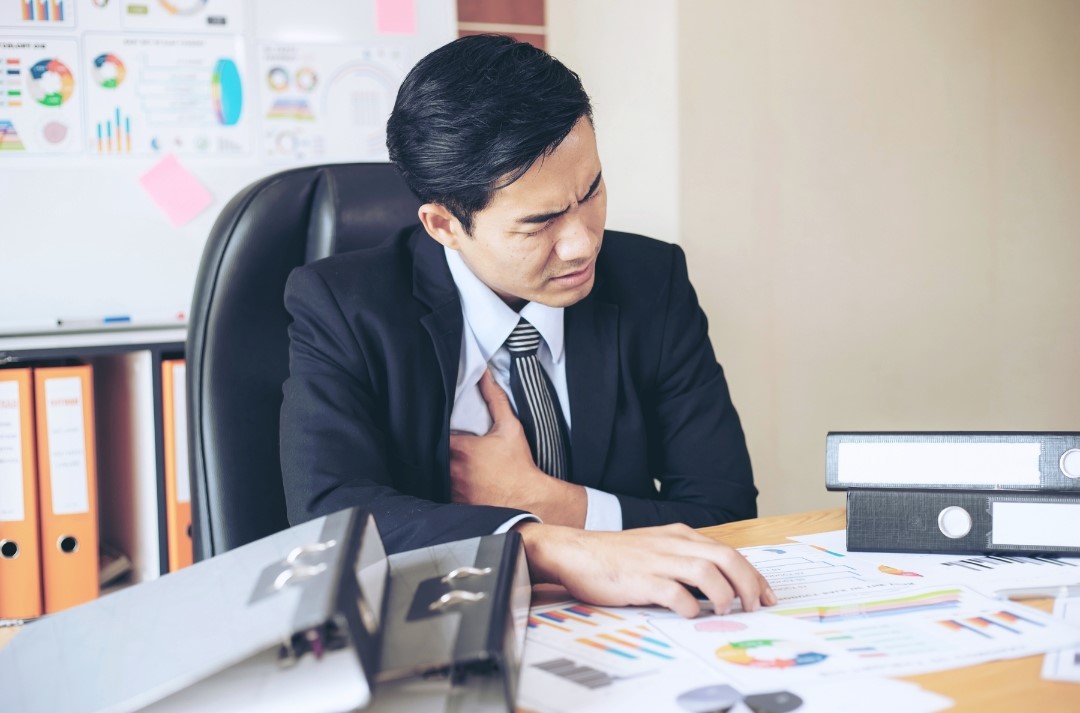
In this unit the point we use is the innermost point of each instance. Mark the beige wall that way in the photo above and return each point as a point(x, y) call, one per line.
point(881, 206)
point(635, 101)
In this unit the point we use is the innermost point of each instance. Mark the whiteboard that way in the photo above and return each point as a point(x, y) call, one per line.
point(126, 126)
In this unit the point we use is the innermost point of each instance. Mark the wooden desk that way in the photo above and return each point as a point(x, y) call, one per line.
point(1011, 686)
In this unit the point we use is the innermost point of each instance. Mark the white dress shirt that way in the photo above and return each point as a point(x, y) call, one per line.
point(488, 322)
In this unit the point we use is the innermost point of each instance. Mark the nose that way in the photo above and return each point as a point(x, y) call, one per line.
point(575, 241)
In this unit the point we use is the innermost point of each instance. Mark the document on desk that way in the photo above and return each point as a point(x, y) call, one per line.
point(903, 632)
point(984, 573)
point(799, 571)
point(585, 658)
point(1064, 665)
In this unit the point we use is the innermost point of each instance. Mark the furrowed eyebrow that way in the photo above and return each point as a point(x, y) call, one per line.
point(593, 187)
point(545, 217)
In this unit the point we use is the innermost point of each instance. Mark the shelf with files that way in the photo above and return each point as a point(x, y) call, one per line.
point(129, 433)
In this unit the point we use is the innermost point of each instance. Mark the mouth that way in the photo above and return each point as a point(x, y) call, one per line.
point(576, 278)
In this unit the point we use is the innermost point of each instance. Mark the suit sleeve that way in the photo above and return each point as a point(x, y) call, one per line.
point(700, 456)
point(334, 451)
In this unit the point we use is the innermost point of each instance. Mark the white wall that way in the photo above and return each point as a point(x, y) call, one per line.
point(625, 54)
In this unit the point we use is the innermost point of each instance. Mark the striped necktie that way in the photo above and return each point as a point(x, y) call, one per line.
point(537, 404)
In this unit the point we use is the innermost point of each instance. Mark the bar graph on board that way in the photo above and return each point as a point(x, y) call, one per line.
point(43, 10)
point(114, 134)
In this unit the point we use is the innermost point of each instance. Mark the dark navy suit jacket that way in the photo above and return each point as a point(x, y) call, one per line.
point(373, 359)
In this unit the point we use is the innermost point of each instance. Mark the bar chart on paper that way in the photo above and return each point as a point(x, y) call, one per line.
point(597, 644)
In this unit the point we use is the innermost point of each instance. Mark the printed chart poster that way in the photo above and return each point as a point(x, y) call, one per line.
point(39, 90)
point(46, 14)
point(165, 94)
point(327, 102)
point(183, 15)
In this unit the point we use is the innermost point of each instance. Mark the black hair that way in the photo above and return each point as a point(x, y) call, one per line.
point(474, 115)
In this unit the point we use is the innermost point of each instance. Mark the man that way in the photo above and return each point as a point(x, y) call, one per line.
point(508, 364)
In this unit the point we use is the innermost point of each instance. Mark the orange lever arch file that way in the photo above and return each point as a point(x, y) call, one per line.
point(20, 548)
point(68, 478)
point(177, 477)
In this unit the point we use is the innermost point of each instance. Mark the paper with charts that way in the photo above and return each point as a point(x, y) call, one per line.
point(983, 573)
point(912, 631)
point(585, 658)
point(801, 571)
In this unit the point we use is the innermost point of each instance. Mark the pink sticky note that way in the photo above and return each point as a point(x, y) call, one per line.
point(395, 17)
point(176, 191)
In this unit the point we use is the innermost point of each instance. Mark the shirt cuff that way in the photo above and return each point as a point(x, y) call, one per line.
point(603, 511)
point(505, 527)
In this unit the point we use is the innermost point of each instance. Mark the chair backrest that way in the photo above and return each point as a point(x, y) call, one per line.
point(238, 344)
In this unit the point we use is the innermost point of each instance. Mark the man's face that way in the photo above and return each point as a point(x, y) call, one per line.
point(538, 239)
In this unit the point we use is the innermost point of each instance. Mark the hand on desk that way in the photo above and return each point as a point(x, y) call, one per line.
point(497, 468)
point(652, 565)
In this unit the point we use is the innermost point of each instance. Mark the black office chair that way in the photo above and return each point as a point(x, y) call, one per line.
point(238, 344)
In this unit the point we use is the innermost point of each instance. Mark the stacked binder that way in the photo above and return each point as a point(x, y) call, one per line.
point(48, 491)
point(958, 493)
point(313, 618)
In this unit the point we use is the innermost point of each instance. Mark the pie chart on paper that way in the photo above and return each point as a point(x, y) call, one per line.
point(768, 653)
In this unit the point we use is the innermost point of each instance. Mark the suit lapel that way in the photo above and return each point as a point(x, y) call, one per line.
point(592, 368)
point(434, 286)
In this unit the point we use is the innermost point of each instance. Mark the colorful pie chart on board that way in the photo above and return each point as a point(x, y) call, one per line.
point(228, 92)
point(278, 79)
point(767, 653)
point(306, 79)
point(108, 71)
point(51, 82)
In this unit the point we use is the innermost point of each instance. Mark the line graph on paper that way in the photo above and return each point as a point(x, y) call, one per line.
point(800, 571)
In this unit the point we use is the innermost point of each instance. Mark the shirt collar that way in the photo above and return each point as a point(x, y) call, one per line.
point(491, 320)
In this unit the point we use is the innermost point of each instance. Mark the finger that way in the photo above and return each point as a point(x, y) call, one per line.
point(741, 576)
point(706, 576)
point(498, 402)
point(768, 596)
point(730, 558)
point(673, 595)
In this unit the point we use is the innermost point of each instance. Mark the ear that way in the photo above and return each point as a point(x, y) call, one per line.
point(441, 224)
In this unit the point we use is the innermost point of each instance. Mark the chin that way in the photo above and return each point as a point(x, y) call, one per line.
point(564, 298)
